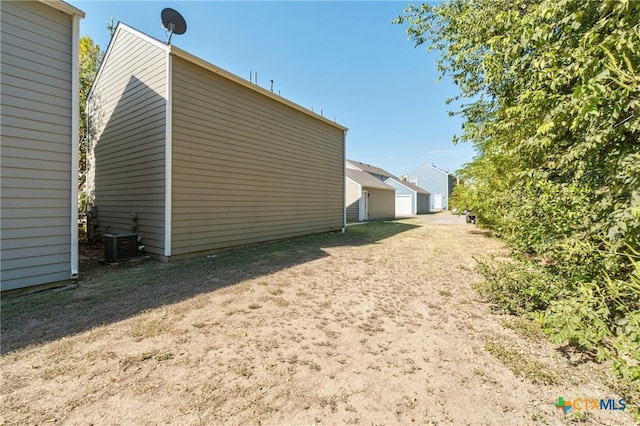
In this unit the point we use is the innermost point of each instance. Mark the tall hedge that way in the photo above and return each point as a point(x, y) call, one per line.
point(550, 94)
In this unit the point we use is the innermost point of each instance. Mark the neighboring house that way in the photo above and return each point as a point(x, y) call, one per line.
point(39, 154)
point(439, 183)
point(410, 198)
point(196, 159)
point(367, 198)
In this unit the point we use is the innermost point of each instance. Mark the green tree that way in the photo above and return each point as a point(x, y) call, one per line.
point(90, 58)
point(553, 92)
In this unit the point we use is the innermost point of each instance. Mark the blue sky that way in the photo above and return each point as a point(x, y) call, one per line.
point(344, 58)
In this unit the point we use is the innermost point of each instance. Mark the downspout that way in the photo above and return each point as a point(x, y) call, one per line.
point(168, 185)
point(75, 136)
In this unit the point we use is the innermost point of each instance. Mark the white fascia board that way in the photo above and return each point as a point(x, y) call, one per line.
point(436, 168)
point(348, 178)
point(417, 168)
point(63, 7)
point(415, 193)
point(145, 37)
point(352, 166)
point(119, 29)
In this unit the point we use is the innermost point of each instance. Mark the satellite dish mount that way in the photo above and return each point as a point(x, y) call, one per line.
point(173, 22)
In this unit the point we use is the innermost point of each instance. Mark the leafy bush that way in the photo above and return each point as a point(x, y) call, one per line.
point(517, 287)
point(554, 116)
point(604, 316)
point(600, 316)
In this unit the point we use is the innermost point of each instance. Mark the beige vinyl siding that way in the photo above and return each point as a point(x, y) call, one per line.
point(382, 204)
point(36, 144)
point(126, 172)
point(352, 201)
point(247, 168)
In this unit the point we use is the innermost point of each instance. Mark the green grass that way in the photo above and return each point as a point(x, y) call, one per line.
point(521, 365)
point(31, 305)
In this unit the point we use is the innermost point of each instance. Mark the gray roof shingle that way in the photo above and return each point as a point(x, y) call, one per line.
point(367, 180)
point(370, 169)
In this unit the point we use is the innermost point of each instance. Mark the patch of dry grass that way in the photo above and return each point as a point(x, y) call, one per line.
point(154, 324)
point(137, 359)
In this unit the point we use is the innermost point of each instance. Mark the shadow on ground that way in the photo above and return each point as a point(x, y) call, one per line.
point(108, 295)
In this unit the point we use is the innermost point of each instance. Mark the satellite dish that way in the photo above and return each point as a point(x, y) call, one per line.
point(173, 22)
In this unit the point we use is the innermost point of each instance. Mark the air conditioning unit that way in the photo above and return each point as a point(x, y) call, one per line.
point(120, 247)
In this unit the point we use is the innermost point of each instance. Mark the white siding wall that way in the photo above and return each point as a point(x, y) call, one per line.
point(36, 145)
point(247, 168)
point(352, 201)
point(126, 156)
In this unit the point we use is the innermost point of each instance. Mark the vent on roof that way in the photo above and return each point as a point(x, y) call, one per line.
point(120, 247)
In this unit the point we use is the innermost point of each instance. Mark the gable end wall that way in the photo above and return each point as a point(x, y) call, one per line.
point(435, 182)
point(352, 201)
point(126, 158)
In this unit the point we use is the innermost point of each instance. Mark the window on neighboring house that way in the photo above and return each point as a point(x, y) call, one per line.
point(413, 180)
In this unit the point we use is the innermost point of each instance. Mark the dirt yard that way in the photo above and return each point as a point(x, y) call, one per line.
point(379, 325)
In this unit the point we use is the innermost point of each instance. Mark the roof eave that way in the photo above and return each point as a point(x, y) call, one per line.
point(63, 7)
point(121, 26)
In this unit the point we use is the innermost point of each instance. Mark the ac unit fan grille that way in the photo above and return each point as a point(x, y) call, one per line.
point(120, 247)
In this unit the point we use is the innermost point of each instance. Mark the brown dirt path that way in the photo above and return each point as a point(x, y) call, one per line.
point(383, 332)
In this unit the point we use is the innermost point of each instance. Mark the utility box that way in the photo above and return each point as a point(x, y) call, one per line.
point(120, 247)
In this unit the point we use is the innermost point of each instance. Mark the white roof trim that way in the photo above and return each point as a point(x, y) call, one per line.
point(119, 29)
point(173, 50)
point(352, 166)
point(144, 36)
point(436, 168)
point(63, 7)
point(347, 177)
point(400, 183)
